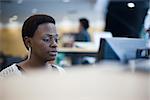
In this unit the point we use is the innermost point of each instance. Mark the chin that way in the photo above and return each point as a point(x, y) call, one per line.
point(51, 62)
point(51, 59)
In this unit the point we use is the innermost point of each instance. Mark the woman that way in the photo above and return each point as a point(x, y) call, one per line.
point(83, 35)
point(40, 38)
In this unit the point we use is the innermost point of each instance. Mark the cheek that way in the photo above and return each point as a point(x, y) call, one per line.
point(44, 46)
point(40, 47)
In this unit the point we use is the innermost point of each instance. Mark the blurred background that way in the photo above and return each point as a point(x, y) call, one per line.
point(107, 19)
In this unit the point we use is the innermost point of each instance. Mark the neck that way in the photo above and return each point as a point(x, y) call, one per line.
point(34, 63)
point(83, 30)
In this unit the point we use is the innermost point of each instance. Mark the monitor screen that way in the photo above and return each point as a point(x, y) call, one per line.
point(122, 49)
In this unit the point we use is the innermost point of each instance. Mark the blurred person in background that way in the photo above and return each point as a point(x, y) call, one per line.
point(83, 35)
point(40, 38)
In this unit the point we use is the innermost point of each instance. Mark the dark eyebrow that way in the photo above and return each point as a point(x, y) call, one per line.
point(49, 35)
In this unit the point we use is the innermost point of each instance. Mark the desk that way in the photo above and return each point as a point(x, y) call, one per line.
point(80, 84)
point(78, 51)
point(76, 54)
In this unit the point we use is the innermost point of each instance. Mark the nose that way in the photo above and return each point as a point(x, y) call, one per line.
point(54, 43)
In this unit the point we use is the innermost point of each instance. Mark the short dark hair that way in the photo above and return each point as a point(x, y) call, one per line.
point(84, 22)
point(31, 24)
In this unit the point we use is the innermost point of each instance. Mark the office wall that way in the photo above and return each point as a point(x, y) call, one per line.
point(11, 42)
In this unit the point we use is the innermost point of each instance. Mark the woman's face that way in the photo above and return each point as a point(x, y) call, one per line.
point(44, 42)
point(80, 27)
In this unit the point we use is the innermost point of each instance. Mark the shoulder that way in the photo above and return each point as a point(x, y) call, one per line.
point(9, 71)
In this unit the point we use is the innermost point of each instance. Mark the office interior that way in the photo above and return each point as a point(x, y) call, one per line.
point(119, 49)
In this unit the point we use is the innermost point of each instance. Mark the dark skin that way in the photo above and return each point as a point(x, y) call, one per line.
point(80, 28)
point(43, 47)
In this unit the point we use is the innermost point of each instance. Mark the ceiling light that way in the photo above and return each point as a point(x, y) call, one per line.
point(13, 18)
point(131, 5)
point(34, 10)
point(19, 1)
point(66, 1)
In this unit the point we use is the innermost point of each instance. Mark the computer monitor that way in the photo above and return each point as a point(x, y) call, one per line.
point(121, 49)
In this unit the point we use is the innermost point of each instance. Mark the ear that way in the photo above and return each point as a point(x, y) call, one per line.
point(27, 41)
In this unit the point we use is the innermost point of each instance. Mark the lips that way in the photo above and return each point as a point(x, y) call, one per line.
point(53, 53)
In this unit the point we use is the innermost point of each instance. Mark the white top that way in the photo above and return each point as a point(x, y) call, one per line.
point(14, 70)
